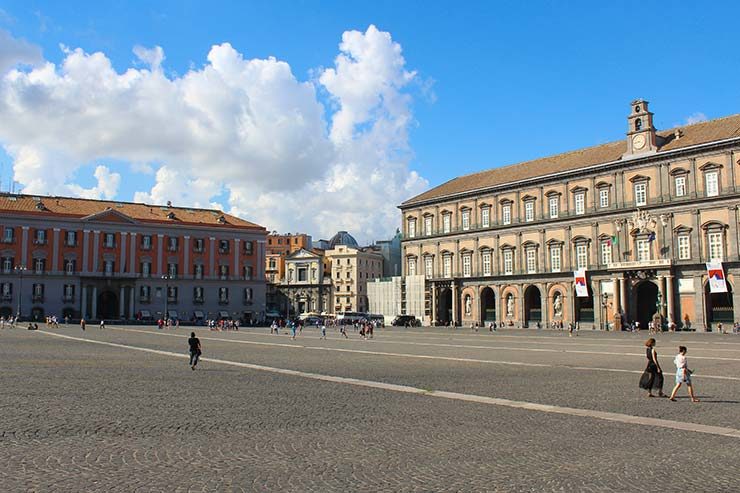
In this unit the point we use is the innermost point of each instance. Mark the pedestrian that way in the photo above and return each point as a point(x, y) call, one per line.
point(293, 328)
point(719, 328)
point(195, 350)
point(102, 324)
point(343, 331)
point(652, 377)
point(82, 324)
point(323, 331)
point(683, 374)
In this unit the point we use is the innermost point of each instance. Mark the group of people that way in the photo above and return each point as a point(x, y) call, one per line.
point(652, 378)
point(222, 324)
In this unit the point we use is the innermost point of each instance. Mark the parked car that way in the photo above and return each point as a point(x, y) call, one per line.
point(406, 321)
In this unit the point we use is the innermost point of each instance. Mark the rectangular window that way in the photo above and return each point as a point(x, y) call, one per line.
point(40, 265)
point(411, 228)
point(466, 219)
point(223, 246)
point(429, 267)
point(172, 244)
point(428, 225)
point(69, 267)
point(71, 238)
point(467, 267)
point(144, 293)
point(684, 247)
point(38, 292)
point(7, 291)
point(506, 214)
point(8, 235)
point(680, 186)
point(581, 256)
point(640, 193)
point(712, 183)
point(247, 294)
point(606, 252)
point(7, 265)
point(715, 247)
point(412, 266)
point(554, 207)
point(146, 269)
point(108, 267)
point(248, 247)
point(171, 294)
point(604, 198)
point(485, 217)
point(146, 242)
point(508, 262)
point(198, 245)
point(643, 250)
point(555, 264)
point(486, 260)
point(69, 292)
point(580, 203)
point(531, 260)
point(109, 240)
point(198, 271)
point(447, 266)
point(223, 295)
point(172, 270)
point(198, 294)
point(446, 223)
point(248, 272)
point(529, 211)
point(223, 271)
point(40, 237)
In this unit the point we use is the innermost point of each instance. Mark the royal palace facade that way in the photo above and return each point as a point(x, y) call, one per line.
point(95, 259)
point(641, 216)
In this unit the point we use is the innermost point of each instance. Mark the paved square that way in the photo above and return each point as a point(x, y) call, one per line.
point(411, 410)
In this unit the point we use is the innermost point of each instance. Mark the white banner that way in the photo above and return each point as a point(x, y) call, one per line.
point(716, 275)
point(581, 286)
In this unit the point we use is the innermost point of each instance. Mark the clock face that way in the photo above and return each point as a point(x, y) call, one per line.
point(638, 141)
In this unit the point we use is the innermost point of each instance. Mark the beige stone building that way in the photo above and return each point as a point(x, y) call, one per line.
point(351, 269)
point(641, 215)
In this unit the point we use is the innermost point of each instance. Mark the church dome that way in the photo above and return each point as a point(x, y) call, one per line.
point(342, 238)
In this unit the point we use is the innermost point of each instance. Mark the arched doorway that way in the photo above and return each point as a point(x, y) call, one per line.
point(107, 305)
point(444, 306)
point(487, 305)
point(647, 299)
point(532, 305)
point(718, 306)
point(584, 307)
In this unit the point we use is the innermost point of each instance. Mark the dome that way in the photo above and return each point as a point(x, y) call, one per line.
point(342, 238)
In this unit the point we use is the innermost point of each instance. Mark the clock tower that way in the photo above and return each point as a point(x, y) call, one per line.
point(640, 130)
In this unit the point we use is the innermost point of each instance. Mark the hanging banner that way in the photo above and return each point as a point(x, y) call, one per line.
point(717, 282)
point(581, 286)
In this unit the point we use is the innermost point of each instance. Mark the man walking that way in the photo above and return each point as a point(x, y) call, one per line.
point(195, 351)
point(82, 324)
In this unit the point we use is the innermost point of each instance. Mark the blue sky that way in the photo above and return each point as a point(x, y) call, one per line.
point(494, 82)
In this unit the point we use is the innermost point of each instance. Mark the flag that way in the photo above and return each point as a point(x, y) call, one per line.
point(580, 283)
point(716, 275)
point(651, 237)
point(615, 240)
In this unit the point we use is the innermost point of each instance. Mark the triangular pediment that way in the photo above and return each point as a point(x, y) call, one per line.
point(301, 254)
point(109, 216)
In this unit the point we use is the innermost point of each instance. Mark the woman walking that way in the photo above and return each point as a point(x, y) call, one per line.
point(683, 374)
point(652, 377)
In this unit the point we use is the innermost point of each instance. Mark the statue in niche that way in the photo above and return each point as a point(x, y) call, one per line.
point(509, 305)
point(468, 305)
point(557, 305)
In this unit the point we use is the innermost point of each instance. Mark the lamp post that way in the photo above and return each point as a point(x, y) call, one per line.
point(166, 278)
point(20, 269)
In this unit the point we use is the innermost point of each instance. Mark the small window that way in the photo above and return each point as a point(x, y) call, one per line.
point(529, 211)
point(411, 227)
point(643, 250)
point(715, 247)
point(604, 198)
point(554, 207)
point(712, 183)
point(428, 225)
point(485, 217)
point(467, 267)
point(486, 261)
point(446, 222)
point(506, 214)
point(531, 260)
point(429, 267)
point(447, 266)
point(580, 203)
point(555, 264)
point(411, 266)
point(466, 219)
point(508, 262)
point(684, 247)
point(581, 256)
point(680, 183)
point(606, 252)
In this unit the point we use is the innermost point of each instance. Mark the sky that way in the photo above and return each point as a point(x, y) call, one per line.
point(319, 116)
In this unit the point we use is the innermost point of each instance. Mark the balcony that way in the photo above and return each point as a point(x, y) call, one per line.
point(38, 298)
point(640, 264)
point(38, 241)
point(223, 301)
point(68, 298)
point(198, 300)
point(6, 297)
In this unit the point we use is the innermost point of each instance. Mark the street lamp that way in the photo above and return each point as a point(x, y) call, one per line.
point(20, 269)
point(166, 278)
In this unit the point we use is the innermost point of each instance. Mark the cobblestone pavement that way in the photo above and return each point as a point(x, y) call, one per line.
point(77, 416)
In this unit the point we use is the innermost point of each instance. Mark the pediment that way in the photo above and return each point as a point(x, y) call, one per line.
point(109, 216)
point(301, 254)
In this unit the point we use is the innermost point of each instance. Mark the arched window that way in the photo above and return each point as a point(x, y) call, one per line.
point(638, 124)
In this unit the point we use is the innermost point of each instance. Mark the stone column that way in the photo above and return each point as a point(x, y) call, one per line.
point(454, 304)
point(211, 272)
point(186, 256)
point(434, 305)
point(85, 251)
point(669, 298)
point(132, 267)
point(542, 260)
point(496, 256)
point(96, 254)
point(235, 273)
point(696, 236)
point(661, 289)
point(732, 234)
point(122, 267)
point(122, 302)
point(83, 302)
point(693, 185)
point(616, 286)
point(545, 290)
point(55, 251)
point(595, 245)
point(94, 303)
point(132, 295)
point(567, 247)
point(160, 241)
point(623, 296)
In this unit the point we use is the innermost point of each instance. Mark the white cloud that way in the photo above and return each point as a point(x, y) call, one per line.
point(107, 186)
point(244, 129)
point(15, 51)
point(697, 117)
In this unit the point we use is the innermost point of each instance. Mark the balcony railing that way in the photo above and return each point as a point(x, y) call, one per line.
point(223, 301)
point(640, 264)
point(6, 297)
point(68, 299)
point(198, 301)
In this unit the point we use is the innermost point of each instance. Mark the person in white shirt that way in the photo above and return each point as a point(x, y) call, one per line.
point(683, 374)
